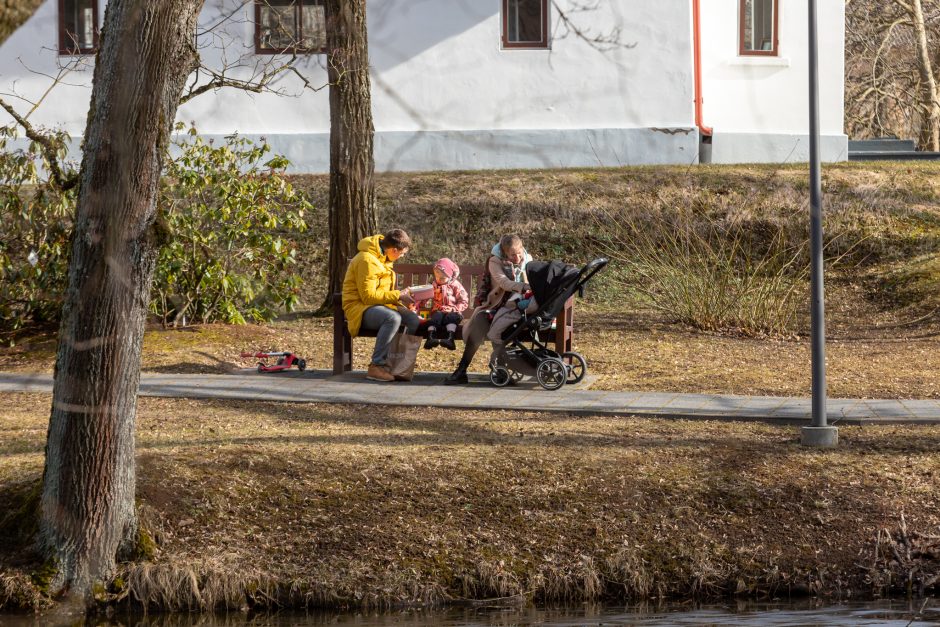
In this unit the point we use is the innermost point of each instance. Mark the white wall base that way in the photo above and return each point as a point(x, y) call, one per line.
point(405, 151)
point(774, 148)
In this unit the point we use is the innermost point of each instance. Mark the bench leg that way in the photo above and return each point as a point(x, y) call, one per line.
point(342, 347)
point(564, 329)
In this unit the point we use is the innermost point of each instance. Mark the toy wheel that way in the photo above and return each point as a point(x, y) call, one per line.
point(577, 367)
point(260, 367)
point(551, 373)
point(302, 365)
point(500, 376)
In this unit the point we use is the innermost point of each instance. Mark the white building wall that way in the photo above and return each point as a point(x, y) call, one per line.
point(446, 96)
point(757, 106)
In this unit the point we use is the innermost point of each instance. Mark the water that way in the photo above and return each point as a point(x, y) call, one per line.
point(881, 614)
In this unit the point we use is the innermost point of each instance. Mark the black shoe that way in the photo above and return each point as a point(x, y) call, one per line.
point(457, 377)
point(431, 342)
point(448, 342)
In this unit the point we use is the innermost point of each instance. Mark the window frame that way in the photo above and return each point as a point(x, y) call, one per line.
point(297, 5)
point(543, 44)
point(64, 46)
point(775, 42)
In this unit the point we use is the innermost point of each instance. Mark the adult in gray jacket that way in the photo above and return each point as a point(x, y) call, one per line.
point(506, 266)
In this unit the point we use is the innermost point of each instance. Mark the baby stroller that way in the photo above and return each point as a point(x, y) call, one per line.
point(553, 283)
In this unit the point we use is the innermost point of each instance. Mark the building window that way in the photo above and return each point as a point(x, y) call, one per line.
point(758, 27)
point(290, 26)
point(78, 26)
point(525, 23)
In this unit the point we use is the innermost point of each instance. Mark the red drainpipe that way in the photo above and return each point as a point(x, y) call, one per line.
point(697, 56)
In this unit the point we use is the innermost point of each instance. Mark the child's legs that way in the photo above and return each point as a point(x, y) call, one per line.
point(451, 321)
point(435, 322)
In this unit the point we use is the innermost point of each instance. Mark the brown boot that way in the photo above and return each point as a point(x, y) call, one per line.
point(379, 373)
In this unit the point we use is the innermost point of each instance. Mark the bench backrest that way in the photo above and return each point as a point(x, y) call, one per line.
point(422, 273)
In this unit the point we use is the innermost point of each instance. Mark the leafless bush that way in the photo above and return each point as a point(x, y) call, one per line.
point(712, 272)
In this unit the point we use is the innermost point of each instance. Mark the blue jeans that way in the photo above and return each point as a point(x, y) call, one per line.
point(385, 322)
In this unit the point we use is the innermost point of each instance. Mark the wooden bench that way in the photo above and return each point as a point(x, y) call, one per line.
point(419, 274)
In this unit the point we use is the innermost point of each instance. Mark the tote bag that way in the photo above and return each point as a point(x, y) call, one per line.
point(403, 355)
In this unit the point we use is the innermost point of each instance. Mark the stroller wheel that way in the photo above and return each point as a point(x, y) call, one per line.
point(551, 373)
point(577, 367)
point(302, 364)
point(500, 376)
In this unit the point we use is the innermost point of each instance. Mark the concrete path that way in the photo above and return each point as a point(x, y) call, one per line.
point(427, 389)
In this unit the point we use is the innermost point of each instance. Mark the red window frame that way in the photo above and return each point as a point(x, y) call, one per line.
point(775, 43)
point(66, 43)
point(293, 49)
point(542, 44)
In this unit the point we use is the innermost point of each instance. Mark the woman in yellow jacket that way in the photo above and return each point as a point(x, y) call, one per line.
point(370, 300)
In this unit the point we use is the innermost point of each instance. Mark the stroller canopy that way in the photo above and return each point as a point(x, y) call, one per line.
point(548, 278)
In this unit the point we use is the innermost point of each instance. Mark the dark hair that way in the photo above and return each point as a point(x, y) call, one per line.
point(396, 238)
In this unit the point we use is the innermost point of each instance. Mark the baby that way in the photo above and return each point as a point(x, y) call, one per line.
point(446, 307)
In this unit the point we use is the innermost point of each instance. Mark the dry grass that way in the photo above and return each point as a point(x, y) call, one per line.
point(882, 300)
point(263, 504)
point(870, 354)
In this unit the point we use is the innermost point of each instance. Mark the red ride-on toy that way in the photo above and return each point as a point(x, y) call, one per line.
point(284, 361)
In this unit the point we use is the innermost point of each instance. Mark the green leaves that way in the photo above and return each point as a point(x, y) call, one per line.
point(35, 228)
point(231, 216)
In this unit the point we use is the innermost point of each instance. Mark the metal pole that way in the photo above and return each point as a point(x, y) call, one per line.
point(819, 434)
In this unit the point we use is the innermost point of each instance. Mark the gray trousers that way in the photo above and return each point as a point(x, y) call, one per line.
point(479, 328)
point(386, 322)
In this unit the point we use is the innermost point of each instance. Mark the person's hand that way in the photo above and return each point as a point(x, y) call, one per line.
point(405, 298)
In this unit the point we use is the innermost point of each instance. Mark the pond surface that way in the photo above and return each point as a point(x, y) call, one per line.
point(883, 613)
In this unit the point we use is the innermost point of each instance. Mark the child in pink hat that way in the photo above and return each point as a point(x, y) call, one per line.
point(447, 306)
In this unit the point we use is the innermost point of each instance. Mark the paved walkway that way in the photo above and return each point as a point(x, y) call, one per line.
point(426, 389)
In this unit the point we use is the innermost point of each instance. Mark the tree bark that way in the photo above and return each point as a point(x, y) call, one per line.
point(352, 164)
point(930, 104)
point(87, 510)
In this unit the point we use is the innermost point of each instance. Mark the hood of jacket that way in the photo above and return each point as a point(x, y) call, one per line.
point(371, 245)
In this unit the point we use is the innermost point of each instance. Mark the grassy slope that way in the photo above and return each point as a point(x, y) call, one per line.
point(879, 345)
point(347, 505)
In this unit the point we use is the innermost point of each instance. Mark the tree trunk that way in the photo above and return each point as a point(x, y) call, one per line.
point(929, 105)
point(352, 165)
point(87, 512)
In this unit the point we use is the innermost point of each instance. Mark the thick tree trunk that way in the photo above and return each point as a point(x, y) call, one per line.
point(87, 514)
point(352, 165)
point(929, 105)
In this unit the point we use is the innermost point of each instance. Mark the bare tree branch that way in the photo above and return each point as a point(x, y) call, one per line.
point(60, 180)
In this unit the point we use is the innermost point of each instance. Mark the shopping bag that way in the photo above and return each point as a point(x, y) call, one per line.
point(403, 355)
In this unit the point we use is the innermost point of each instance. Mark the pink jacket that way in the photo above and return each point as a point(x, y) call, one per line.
point(449, 298)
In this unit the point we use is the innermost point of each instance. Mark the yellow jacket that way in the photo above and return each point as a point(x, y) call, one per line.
point(369, 281)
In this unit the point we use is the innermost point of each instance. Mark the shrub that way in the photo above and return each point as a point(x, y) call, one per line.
point(713, 273)
point(227, 214)
point(35, 231)
point(230, 215)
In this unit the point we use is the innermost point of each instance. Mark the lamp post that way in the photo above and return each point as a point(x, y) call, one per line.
point(819, 434)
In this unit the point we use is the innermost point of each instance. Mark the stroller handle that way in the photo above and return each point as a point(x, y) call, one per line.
point(593, 268)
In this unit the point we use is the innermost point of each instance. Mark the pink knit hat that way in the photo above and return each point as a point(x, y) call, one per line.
point(448, 267)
